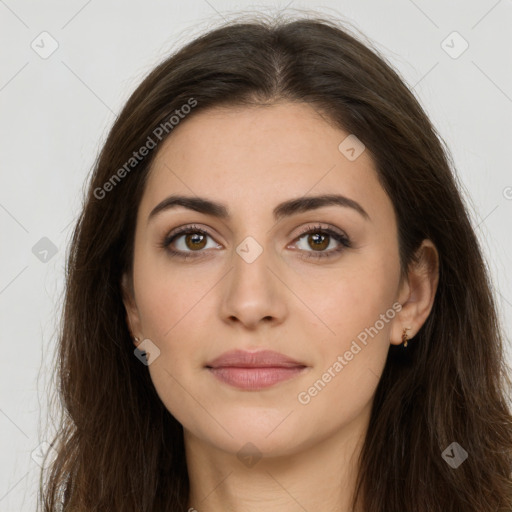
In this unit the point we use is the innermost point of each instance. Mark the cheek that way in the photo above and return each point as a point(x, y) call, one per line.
point(352, 352)
point(350, 361)
point(354, 301)
point(172, 315)
point(168, 297)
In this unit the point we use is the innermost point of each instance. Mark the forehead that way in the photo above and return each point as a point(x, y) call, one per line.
point(252, 157)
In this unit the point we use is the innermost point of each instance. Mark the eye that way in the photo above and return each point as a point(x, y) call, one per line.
point(194, 239)
point(320, 238)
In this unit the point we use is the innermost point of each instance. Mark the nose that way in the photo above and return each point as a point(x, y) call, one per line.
point(252, 292)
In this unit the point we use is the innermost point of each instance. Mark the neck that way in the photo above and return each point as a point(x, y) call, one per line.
point(319, 477)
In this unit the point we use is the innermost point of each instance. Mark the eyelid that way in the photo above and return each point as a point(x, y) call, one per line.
point(320, 226)
point(183, 230)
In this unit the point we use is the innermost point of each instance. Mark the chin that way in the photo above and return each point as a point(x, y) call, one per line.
point(257, 432)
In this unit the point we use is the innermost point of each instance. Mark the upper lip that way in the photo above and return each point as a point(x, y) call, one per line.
point(261, 359)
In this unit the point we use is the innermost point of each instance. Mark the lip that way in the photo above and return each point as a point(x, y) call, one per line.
point(254, 370)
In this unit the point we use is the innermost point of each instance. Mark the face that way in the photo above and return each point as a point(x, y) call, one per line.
point(320, 286)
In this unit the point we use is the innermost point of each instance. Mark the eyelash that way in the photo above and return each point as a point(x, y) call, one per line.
point(192, 229)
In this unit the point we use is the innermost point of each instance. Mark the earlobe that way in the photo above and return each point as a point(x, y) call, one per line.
point(417, 294)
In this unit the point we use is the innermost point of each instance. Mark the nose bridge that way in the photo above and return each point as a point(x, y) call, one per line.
point(252, 292)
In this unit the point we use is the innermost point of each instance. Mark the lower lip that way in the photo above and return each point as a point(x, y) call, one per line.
point(255, 378)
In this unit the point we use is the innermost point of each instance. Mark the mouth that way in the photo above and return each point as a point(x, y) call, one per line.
point(254, 370)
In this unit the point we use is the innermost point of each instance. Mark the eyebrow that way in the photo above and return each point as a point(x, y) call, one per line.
point(285, 209)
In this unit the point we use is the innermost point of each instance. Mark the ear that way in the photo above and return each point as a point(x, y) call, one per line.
point(417, 292)
point(132, 313)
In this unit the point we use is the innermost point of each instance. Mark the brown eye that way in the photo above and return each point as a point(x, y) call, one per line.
point(186, 241)
point(195, 241)
point(189, 242)
point(319, 239)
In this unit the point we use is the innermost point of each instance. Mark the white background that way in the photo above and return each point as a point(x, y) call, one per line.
point(56, 112)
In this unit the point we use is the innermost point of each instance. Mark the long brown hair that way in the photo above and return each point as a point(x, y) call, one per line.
point(118, 447)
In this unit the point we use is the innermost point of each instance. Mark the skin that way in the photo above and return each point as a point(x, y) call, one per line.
point(193, 310)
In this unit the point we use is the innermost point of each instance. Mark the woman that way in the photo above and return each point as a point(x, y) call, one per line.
point(275, 299)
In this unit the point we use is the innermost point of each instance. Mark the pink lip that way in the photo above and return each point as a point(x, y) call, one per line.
point(254, 370)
